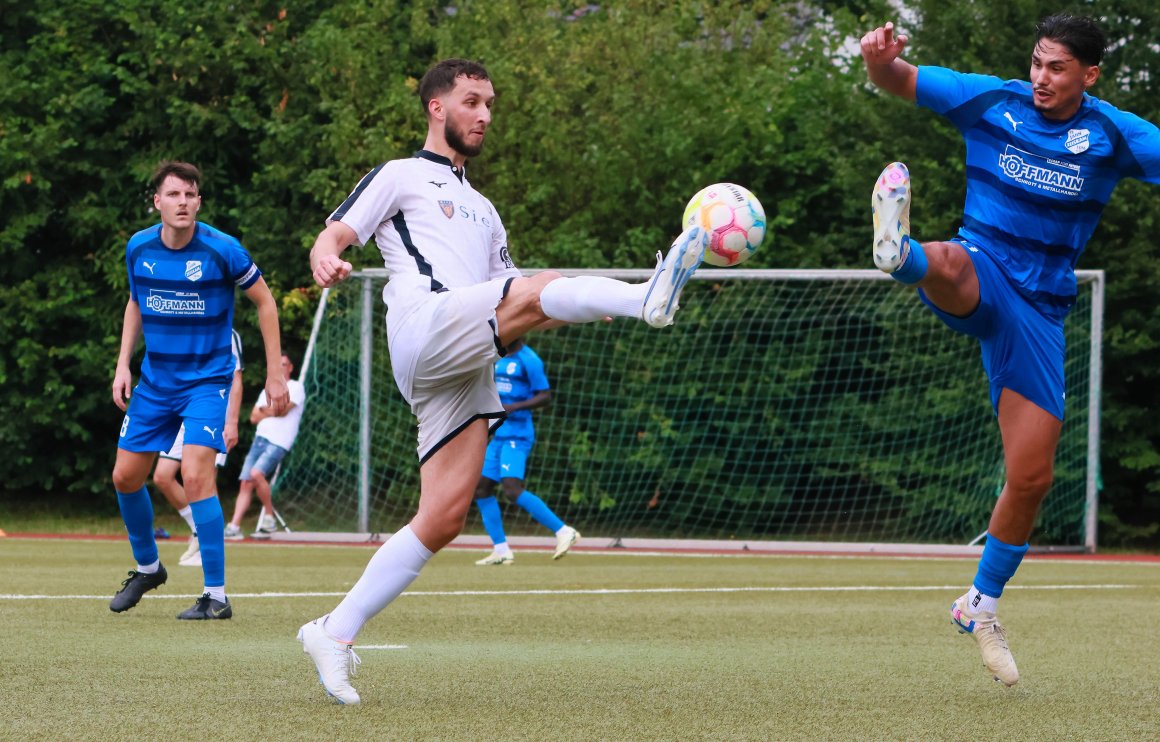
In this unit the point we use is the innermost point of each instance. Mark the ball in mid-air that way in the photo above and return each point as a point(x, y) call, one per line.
point(734, 219)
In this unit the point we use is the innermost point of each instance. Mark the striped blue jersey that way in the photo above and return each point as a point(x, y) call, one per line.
point(186, 298)
point(518, 377)
point(1036, 187)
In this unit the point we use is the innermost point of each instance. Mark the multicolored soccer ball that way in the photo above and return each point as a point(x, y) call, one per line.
point(734, 219)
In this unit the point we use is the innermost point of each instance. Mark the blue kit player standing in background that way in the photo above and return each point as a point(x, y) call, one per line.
point(1042, 160)
point(182, 275)
point(523, 386)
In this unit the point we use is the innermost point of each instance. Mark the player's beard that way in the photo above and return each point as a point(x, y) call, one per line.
point(456, 141)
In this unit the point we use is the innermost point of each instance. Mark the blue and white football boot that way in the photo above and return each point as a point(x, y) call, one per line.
point(673, 272)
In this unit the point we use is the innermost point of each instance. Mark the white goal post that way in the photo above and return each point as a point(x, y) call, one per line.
point(812, 408)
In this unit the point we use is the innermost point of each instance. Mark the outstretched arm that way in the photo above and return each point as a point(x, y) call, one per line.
point(326, 264)
point(882, 50)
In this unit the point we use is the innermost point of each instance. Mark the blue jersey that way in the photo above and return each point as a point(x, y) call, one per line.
point(186, 299)
point(1036, 187)
point(517, 378)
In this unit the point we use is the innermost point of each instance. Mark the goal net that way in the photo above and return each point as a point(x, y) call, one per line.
point(825, 406)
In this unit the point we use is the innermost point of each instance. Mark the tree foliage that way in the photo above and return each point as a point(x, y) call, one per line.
point(608, 117)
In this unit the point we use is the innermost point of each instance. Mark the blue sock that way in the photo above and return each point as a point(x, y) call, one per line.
point(211, 524)
point(137, 512)
point(997, 566)
point(914, 269)
point(538, 510)
point(492, 519)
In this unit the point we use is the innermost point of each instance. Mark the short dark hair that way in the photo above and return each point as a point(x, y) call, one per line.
point(185, 171)
point(441, 77)
point(1080, 34)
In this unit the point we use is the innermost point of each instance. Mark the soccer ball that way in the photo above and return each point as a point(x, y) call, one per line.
point(734, 219)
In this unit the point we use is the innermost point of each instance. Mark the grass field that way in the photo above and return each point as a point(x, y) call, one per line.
point(594, 647)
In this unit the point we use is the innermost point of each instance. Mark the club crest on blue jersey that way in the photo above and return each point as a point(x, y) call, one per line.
point(1077, 140)
point(193, 269)
point(448, 208)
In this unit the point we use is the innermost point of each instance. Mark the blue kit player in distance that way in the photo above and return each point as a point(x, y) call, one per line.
point(182, 275)
point(523, 386)
point(1042, 160)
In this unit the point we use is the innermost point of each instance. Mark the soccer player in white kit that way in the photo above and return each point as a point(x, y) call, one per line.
point(454, 301)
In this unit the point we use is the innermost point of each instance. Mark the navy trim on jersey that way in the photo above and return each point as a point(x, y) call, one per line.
point(426, 154)
point(184, 321)
point(362, 185)
point(498, 416)
point(974, 108)
point(1035, 200)
point(424, 267)
point(495, 339)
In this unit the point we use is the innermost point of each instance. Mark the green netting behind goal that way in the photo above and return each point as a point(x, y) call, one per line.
point(779, 407)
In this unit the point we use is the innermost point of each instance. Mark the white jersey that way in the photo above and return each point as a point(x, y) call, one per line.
point(281, 431)
point(433, 229)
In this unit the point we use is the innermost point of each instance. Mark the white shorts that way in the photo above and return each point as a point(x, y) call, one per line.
point(443, 354)
point(174, 451)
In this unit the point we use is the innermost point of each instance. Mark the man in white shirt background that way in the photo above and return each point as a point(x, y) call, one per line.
point(272, 441)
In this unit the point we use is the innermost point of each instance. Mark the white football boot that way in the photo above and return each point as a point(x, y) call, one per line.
point(672, 273)
point(891, 206)
point(335, 661)
point(991, 638)
point(565, 540)
point(506, 559)
point(192, 555)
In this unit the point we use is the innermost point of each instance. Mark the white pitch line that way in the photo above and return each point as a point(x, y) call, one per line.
point(361, 647)
point(605, 591)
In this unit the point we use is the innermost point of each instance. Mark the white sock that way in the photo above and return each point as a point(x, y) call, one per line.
point(503, 548)
point(149, 569)
point(393, 567)
point(979, 603)
point(592, 298)
point(217, 593)
point(187, 513)
point(562, 529)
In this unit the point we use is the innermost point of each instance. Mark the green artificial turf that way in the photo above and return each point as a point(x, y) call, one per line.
point(593, 647)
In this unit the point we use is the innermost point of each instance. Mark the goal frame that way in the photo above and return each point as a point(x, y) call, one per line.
point(371, 312)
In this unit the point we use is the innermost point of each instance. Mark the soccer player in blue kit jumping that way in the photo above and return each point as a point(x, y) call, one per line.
point(182, 275)
point(523, 386)
point(1042, 160)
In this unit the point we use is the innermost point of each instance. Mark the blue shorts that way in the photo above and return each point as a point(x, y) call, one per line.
point(507, 458)
point(154, 417)
point(264, 456)
point(1023, 349)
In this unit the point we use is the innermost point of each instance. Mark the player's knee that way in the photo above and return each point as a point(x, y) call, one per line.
point(126, 479)
point(197, 485)
point(443, 526)
point(1030, 482)
point(513, 490)
point(948, 259)
point(257, 476)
